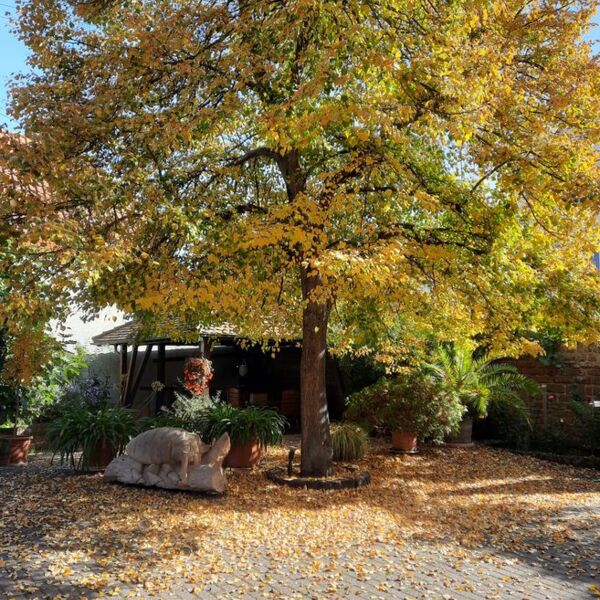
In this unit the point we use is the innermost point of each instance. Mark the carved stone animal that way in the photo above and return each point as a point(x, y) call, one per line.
point(168, 445)
point(209, 476)
point(125, 469)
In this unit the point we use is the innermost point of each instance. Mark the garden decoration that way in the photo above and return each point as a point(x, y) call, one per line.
point(171, 458)
point(197, 374)
point(290, 465)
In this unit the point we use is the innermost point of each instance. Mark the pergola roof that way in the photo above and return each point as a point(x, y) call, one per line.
point(129, 333)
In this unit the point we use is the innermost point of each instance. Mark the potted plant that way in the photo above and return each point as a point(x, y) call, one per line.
point(349, 441)
point(23, 354)
point(43, 393)
point(410, 406)
point(477, 383)
point(99, 432)
point(15, 442)
point(88, 422)
point(250, 429)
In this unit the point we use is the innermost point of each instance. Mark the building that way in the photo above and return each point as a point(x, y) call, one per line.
point(244, 373)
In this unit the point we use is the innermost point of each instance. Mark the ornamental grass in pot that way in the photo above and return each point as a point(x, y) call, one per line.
point(250, 429)
point(349, 441)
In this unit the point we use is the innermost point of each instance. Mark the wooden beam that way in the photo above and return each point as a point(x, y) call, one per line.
point(123, 368)
point(160, 375)
point(136, 382)
point(123, 354)
point(130, 372)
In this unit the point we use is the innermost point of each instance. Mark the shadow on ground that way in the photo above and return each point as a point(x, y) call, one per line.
point(75, 535)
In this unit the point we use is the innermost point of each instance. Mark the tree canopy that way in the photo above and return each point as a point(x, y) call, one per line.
point(385, 170)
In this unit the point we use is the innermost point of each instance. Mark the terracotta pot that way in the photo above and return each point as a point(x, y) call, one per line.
point(406, 442)
point(243, 456)
point(464, 438)
point(14, 449)
point(102, 455)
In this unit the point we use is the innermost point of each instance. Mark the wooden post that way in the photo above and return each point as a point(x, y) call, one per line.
point(123, 359)
point(136, 383)
point(129, 379)
point(160, 374)
point(123, 369)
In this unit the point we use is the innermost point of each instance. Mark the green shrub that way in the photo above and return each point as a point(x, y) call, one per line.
point(511, 423)
point(587, 421)
point(47, 390)
point(188, 410)
point(242, 424)
point(412, 402)
point(186, 413)
point(37, 400)
point(81, 427)
point(552, 439)
point(349, 441)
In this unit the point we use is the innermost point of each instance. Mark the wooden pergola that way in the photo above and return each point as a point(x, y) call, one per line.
point(127, 335)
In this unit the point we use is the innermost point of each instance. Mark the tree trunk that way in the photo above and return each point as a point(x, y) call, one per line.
point(317, 452)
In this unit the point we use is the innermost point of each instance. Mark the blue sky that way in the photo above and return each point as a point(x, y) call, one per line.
point(13, 55)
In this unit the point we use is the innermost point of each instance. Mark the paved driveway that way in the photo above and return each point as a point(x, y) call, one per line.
point(475, 523)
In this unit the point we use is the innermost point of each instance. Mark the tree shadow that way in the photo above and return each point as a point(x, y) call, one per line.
point(481, 500)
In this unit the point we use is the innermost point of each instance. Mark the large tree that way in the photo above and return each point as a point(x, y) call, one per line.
point(385, 170)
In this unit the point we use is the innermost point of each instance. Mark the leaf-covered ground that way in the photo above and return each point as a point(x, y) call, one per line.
point(442, 524)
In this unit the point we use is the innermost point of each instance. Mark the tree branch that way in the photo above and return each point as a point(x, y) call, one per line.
point(260, 152)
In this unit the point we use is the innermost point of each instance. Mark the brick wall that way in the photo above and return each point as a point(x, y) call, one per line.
point(577, 375)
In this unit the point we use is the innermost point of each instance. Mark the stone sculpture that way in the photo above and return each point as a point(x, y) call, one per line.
point(172, 458)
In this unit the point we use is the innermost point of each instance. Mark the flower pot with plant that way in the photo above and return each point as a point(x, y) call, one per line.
point(99, 432)
point(478, 382)
point(251, 431)
point(15, 441)
point(349, 441)
point(89, 424)
point(24, 354)
point(410, 406)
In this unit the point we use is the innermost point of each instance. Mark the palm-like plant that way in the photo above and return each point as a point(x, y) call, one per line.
point(480, 382)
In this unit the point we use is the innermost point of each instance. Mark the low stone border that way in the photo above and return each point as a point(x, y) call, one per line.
point(574, 460)
point(279, 475)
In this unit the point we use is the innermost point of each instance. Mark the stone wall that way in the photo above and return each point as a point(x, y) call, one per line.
point(572, 374)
